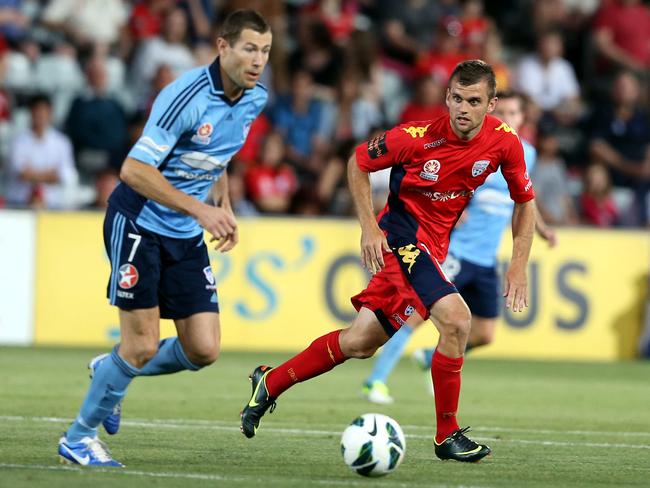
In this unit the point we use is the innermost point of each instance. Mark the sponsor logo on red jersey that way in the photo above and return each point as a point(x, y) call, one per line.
point(414, 131)
point(506, 128)
point(430, 170)
point(128, 276)
point(409, 254)
point(377, 146)
point(445, 196)
point(434, 144)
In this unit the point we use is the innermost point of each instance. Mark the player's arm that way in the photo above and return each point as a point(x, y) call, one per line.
point(149, 182)
point(379, 153)
point(221, 198)
point(373, 239)
point(513, 168)
point(515, 285)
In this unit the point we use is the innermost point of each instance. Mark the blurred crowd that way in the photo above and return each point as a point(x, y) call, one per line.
point(78, 77)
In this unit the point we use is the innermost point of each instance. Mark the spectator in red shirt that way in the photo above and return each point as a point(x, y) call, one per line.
point(475, 28)
point(428, 102)
point(596, 202)
point(621, 34)
point(271, 183)
point(446, 54)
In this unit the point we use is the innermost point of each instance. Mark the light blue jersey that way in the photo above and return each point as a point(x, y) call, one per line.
point(477, 239)
point(192, 132)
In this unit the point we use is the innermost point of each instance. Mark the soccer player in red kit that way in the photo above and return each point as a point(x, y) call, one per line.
point(436, 166)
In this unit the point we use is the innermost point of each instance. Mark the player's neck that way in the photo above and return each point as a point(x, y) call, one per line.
point(230, 89)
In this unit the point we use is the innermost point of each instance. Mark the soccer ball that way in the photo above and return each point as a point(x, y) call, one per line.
point(373, 445)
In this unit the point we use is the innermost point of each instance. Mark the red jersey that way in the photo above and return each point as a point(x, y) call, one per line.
point(435, 174)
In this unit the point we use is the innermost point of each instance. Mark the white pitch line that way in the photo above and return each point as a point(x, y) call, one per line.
point(189, 423)
point(214, 477)
point(203, 425)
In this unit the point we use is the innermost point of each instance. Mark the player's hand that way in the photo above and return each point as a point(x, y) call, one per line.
point(515, 289)
point(218, 221)
point(373, 243)
point(549, 235)
point(225, 244)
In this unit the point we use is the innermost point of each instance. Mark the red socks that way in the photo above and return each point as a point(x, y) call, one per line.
point(445, 372)
point(320, 357)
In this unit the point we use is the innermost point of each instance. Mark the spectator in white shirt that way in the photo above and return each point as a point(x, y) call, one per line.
point(550, 80)
point(169, 48)
point(41, 170)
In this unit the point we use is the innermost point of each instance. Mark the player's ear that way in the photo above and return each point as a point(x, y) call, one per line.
point(222, 45)
point(492, 104)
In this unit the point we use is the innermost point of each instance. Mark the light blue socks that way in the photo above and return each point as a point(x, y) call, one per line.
point(108, 387)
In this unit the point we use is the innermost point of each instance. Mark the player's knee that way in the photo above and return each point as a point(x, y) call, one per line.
point(456, 324)
point(142, 354)
point(357, 347)
point(204, 356)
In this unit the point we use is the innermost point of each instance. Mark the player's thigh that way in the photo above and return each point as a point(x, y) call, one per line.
point(187, 286)
point(451, 315)
point(135, 260)
point(481, 293)
point(364, 336)
point(200, 336)
point(482, 329)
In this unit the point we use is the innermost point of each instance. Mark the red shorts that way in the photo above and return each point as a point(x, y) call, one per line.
point(410, 281)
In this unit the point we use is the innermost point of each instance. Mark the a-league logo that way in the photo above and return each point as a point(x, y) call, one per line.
point(128, 276)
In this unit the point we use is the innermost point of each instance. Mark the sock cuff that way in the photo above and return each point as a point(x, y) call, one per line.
point(127, 368)
point(445, 362)
point(182, 357)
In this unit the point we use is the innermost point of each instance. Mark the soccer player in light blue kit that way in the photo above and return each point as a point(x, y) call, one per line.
point(471, 261)
point(154, 225)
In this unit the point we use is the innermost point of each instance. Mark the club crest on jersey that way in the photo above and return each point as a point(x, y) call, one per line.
point(430, 170)
point(203, 134)
point(128, 276)
point(480, 167)
point(416, 131)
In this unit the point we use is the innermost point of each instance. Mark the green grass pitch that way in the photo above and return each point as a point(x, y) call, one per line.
point(549, 424)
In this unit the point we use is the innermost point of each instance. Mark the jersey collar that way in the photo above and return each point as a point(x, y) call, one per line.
point(214, 73)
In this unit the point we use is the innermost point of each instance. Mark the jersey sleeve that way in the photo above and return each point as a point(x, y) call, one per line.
point(387, 149)
point(513, 168)
point(169, 119)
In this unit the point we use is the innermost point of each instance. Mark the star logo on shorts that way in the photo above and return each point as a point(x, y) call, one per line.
point(128, 276)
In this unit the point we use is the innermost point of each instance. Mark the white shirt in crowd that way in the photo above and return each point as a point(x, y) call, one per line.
point(99, 20)
point(548, 85)
point(52, 151)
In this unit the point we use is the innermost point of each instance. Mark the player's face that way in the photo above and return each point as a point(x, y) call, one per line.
point(468, 106)
point(510, 111)
point(244, 61)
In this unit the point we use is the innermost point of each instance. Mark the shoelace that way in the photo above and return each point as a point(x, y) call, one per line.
point(99, 450)
point(465, 442)
point(117, 409)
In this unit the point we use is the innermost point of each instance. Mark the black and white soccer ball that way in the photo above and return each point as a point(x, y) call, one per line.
point(373, 445)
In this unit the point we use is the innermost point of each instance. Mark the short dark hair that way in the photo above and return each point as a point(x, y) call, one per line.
point(506, 94)
point(237, 21)
point(474, 71)
point(38, 99)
